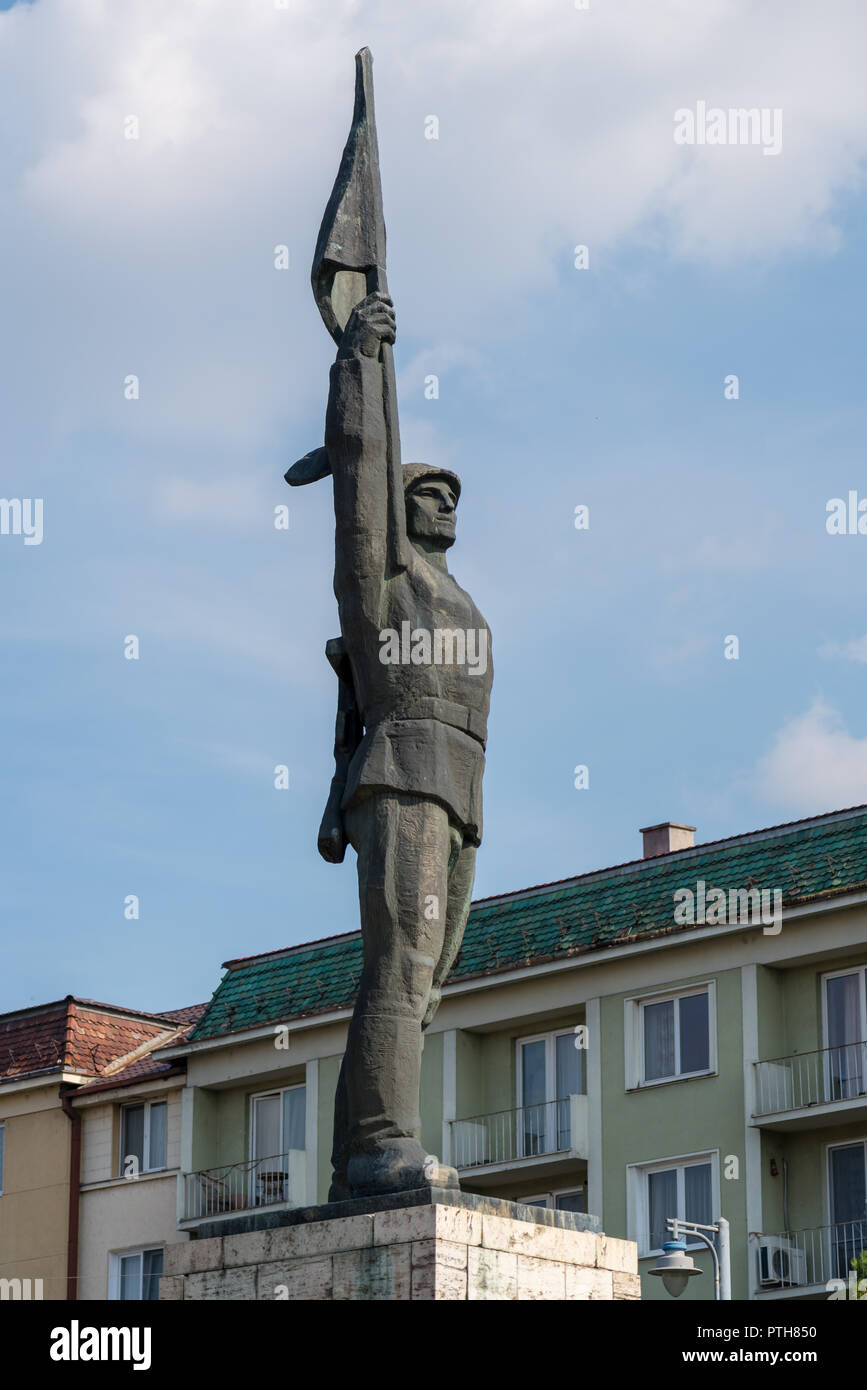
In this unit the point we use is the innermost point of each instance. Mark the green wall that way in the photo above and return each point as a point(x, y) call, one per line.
point(770, 992)
point(432, 1094)
point(486, 1064)
point(806, 1151)
point(802, 1004)
point(675, 1118)
point(329, 1070)
point(221, 1120)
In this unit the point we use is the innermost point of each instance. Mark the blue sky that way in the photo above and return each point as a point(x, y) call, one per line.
point(557, 387)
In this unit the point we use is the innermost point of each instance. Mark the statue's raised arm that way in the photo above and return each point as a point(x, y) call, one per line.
point(370, 514)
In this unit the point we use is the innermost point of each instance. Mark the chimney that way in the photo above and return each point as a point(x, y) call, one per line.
point(666, 838)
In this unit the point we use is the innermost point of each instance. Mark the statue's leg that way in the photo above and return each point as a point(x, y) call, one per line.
point(462, 873)
point(404, 847)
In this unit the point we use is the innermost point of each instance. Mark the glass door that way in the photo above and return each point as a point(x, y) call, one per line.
point(534, 1093)
point(278, 1141)
point(846, 1030)
point(848, 1184)
point(550, 1072)
point(567, 1082)
point(266, 1167)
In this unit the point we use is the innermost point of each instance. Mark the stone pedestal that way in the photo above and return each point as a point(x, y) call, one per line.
point(442, 1245)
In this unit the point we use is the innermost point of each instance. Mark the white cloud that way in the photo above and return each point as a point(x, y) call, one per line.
point(814, 764)
point(556, 127)
point(855, 650)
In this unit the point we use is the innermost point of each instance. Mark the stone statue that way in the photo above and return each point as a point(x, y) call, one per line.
point(414, 680)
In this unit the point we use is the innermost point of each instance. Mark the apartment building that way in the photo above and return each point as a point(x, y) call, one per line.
point(52, 1152)
point(683, 1035)
point(130, 1160)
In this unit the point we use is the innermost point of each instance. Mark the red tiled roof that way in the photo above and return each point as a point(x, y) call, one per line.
point(81, 1036)
point(151, 1067)
point(189, 1014)
point(147, 1068)
point(33, 1043)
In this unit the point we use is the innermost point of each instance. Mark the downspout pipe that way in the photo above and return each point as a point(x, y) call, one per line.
point(74, 1117)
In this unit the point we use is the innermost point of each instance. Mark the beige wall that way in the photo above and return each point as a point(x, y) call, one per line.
point(97, 1143)
point(118, 1213)
point(129, 1212)
point(100, 1133)
point(34, 1208)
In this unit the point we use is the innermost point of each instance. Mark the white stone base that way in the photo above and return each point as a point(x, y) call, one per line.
point(425, 1252)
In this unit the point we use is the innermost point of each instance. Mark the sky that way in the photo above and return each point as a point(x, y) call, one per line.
point(154, 156)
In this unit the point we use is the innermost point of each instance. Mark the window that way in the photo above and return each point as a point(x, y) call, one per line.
point(550, 1069)
point(142, 1138)
point(135, 1274)
point(277, 1140)
point(847, 1189)
point(687, 1188)
point(2, 1154)
point(573, 1200)
point(670, 1037)
point(845, 1008)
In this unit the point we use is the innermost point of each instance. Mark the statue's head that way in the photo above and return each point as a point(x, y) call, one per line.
point(431, 496)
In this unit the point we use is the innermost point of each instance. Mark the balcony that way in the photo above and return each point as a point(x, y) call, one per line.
point(800, 1092)
point(538, 1136)
point(277, 1181)
point(804, 1262)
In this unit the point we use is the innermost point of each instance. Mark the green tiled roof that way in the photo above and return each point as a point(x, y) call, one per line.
point(806, 860)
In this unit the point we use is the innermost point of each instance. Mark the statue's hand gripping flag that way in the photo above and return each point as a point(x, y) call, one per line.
point(349, 262)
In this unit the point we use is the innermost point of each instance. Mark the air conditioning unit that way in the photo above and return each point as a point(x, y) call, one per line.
point(781, 1263)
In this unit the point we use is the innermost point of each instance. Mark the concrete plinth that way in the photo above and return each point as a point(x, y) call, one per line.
point(444, 1245)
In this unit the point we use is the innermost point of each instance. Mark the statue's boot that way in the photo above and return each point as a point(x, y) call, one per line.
point(339, 1191)
point(397, 1165)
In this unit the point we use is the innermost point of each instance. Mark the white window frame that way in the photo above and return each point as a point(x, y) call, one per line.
point(633, 1018)
point(550, 1063)
point(838, 975)
point(838, 1144)
point(2, 1153)
point(146, 1139)
point(255, 1171)
point(829, 1195)
point(114, 1262)
point(263, 1095)
point(860, 970)
point(639, 1199)
point(550, 1198)
point(551, 1110)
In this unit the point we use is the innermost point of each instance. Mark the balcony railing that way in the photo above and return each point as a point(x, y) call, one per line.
point(508, 1136)
point(814, 1255)
point(811, 1078)
point(261, 1182)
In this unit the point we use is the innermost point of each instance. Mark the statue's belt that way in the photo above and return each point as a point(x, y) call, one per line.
point(432, 707)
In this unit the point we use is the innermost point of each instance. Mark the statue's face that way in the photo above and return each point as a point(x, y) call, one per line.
point(430, 512)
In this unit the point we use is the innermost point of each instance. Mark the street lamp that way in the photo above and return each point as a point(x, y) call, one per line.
point(675, 1268)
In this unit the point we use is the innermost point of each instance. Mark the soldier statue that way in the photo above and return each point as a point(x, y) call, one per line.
point(414, 672)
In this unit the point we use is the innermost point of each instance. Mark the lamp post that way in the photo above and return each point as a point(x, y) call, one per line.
point(675, 1268)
